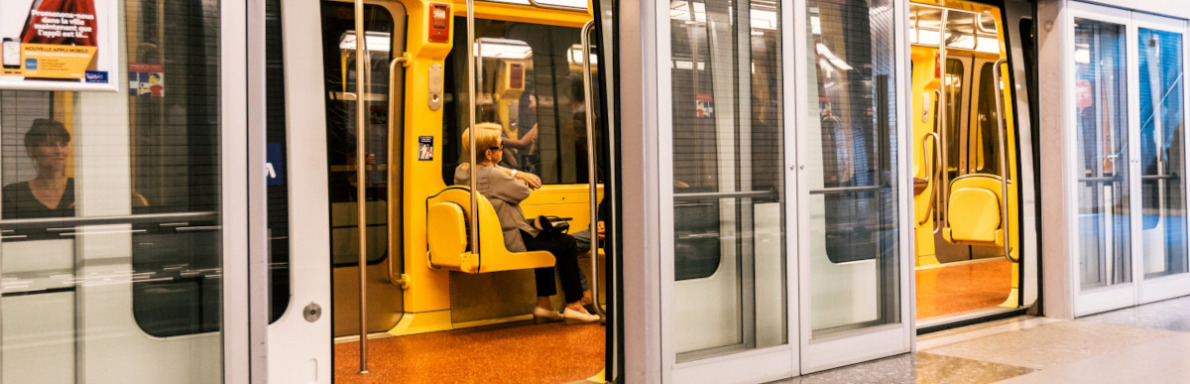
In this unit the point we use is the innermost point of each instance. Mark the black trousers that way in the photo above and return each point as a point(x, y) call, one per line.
point(566, 262)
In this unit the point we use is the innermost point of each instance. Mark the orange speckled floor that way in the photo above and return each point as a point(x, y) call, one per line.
point(951, 289)
point(520, 353)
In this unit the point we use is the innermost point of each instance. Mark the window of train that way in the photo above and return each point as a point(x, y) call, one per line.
point(338, 46)
point(531, 85)
point(956, 81)
point(110, 211)
point(728, 179)
point(984, 151)
point(852, 163)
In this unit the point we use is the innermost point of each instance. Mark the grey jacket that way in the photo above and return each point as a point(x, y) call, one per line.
point(505, 193)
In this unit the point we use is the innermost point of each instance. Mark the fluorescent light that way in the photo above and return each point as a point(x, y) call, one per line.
point(496, 48)
point(575, 56)
point(376, 41)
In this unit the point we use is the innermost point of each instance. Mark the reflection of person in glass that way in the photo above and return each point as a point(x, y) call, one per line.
point(50, 193)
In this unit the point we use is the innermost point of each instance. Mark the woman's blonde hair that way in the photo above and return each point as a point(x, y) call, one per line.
point(487, 138)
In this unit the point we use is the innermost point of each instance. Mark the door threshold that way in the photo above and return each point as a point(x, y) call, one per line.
point(355, 338)
point(939, 323)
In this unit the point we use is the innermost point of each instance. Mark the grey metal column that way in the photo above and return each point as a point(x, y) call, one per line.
point(258, 247)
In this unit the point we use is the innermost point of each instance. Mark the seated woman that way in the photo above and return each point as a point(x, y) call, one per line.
point(506, 189)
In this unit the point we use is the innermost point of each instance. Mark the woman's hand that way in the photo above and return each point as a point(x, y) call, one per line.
point(530, 179)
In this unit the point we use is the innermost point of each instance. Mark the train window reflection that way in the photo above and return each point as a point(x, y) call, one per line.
point(854, 229)
point(728, 178)
point(339, 42)
point(1104, 198)
point(531, 85)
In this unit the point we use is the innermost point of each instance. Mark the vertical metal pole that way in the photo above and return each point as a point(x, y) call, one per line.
point(589, 105)
point(1004, 222)
point(471, 126)
point(944, 196)
point(361, 155)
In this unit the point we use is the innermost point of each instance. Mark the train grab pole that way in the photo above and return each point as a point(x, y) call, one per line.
point(361, 74)
point(944, 197)
point(1004, 220)
point(589, 105)
point(472, 131)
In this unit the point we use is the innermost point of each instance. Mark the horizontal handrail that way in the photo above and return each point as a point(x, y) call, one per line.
point(723, 195)
point(1098, 179)
point(1160, 177)
point(833, 190)
point(101, 220)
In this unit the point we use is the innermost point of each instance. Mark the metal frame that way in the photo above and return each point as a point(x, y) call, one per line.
point(640, 111)
point(238, 352)
point(294, 340)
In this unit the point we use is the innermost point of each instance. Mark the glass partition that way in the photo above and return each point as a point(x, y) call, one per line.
point(1104, 200)
point(854, 230)
point(110, 225)
point(1162, 159)
point(728, 184)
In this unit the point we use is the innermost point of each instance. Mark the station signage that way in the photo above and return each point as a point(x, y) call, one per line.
point(59, 45)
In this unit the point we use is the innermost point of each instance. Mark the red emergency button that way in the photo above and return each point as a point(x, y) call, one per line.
point(439, 25)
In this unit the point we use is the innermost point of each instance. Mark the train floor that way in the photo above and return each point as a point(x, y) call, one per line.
point(515, 353)
point(1143, 344)
point(960, 287)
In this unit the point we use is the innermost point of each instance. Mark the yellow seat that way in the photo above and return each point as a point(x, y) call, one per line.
point(447, 234)
point(974, 211)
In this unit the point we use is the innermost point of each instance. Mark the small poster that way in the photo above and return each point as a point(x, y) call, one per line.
point(62, 45)
point(706, 106)
point(425, 148)
point(146, 80)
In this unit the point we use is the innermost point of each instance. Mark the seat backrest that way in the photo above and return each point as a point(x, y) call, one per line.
point(447, 235)
point(973, 211)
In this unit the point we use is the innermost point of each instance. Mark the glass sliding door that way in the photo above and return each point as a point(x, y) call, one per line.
point(853, 257)
point(1105, 242)
point(728, 274)
point(116, 222)
point(1161, 106)
point(1129, 101)
point(1162, 153)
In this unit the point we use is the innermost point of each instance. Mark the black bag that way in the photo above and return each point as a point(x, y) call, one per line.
point(554, 225)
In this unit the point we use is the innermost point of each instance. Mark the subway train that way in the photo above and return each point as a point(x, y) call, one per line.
point(785, 187)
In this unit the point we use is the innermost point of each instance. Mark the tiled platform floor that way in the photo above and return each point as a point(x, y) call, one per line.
point(1145, 344)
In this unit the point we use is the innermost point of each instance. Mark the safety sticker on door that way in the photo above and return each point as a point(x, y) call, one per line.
point(425, 148)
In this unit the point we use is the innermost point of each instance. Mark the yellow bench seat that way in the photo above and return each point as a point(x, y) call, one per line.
point(447, 234)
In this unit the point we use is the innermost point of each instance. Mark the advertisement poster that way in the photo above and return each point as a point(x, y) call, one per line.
point(62, 45)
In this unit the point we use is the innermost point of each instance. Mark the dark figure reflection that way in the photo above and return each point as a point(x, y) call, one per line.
point(50, 193)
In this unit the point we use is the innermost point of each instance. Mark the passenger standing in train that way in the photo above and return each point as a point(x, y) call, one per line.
point(505, 189)
point(50, 193)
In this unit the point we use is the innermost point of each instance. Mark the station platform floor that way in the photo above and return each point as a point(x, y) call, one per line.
point(1144, 344)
